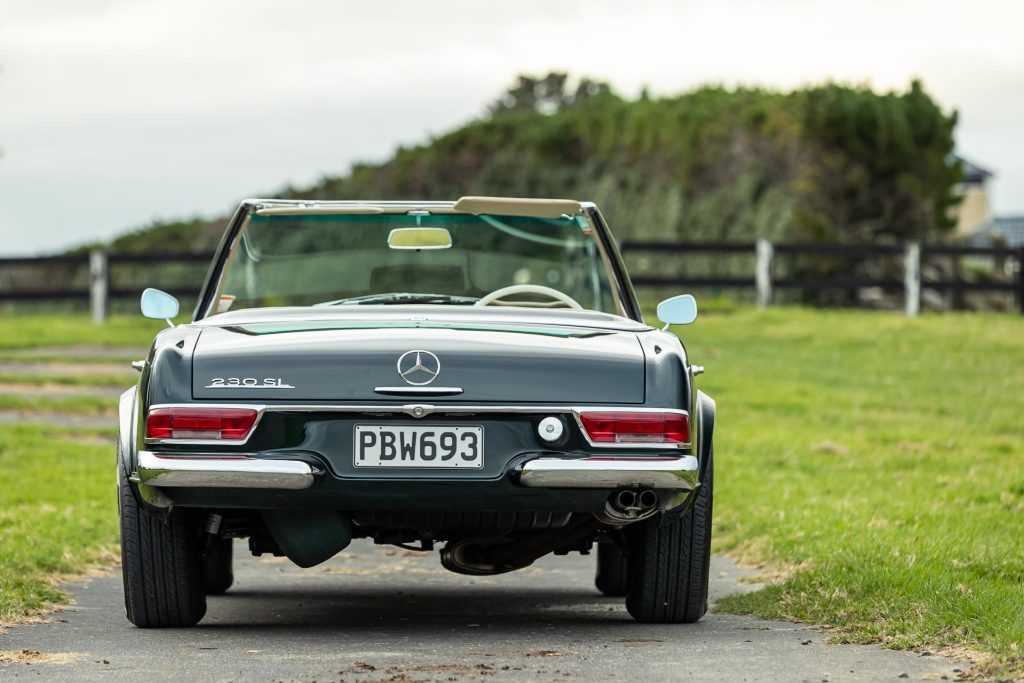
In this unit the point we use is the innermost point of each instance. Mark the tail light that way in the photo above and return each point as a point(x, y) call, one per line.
point(637, 427)
point(227, 424)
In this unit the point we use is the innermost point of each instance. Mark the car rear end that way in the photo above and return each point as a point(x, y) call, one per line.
point(450, 412)
point(475, 452)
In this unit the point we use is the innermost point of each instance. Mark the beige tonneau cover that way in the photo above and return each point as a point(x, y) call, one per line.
point(498, 206)
point(314, 209)
point(514, 206)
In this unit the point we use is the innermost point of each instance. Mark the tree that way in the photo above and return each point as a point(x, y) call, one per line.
point(546, 94)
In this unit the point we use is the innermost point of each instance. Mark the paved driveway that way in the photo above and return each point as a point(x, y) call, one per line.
point(384, 614)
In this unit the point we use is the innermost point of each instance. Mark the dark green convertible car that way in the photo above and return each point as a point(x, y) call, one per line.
point(473, 374)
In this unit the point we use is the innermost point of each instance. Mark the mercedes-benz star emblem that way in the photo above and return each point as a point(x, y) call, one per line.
point(418, 367)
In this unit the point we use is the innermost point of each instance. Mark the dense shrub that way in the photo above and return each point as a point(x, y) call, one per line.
point(829, 162)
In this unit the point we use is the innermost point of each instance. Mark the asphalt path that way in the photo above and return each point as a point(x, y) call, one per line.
point(386, 614)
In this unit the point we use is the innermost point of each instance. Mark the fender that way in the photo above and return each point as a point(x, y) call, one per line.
point(126, 432)
point(705, 431)
point(129, 421)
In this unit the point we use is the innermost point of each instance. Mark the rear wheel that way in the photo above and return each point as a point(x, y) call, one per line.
point(160, 564)
point(669, 561)
point(218, 568)
point(611, 570)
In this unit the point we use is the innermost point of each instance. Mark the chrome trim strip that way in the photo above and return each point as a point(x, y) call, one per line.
point(440, 314)
point(610, 472)
point(422, 410)
point(222, 470)
point(423, 391)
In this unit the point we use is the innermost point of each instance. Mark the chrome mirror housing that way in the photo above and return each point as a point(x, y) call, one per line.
point(678, 310)
point(158, 305)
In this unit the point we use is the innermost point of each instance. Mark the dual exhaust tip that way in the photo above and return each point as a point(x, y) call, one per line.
point(629, 505)
point(628, 500)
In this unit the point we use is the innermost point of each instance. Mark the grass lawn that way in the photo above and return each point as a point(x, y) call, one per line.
point(58, 512)
point(878, 463)
point(66, 404)
point(69, 524)
point(23, 331)
point(874, 463)
point(69, 356)
point(120, 381)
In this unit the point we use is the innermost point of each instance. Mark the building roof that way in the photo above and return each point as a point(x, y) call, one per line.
point(1008, 228)
point(974, 173)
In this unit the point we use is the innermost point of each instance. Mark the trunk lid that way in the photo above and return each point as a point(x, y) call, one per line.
point(489, 363)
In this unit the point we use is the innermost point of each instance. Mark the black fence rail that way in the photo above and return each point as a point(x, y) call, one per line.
point(99, 278)
point(1005, 274)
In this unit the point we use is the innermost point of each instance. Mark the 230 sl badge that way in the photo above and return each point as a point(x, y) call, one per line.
point(250, 382)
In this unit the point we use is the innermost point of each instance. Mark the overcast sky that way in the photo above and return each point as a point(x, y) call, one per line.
point(117, 112)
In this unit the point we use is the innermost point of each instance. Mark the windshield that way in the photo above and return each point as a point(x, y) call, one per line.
point(458, 259)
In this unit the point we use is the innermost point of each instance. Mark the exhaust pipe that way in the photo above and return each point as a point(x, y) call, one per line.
point(625, 499)
point(629, 505)
point(647, 499)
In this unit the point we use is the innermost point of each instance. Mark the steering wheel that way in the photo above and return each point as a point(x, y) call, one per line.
point(497, 297)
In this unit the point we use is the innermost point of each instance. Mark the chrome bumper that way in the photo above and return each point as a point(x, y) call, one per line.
point(216, 470)
point(679, 473)
point(241, 471)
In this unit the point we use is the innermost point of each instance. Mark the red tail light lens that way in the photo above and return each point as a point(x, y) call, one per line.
point(636, 427)
point(231, 424)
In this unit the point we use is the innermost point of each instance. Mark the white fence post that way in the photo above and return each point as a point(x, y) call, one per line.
point(912, 278)
point(763, 273)
point(98, 285)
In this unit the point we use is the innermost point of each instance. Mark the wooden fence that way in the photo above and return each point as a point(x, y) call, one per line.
point(30, 279)
point(911, 255)
point(100, 286)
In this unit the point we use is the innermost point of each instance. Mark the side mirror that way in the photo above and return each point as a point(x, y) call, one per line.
point(678, 310)
point(158, 305)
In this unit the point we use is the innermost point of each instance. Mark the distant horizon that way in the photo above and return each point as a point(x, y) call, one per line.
point(119, 113)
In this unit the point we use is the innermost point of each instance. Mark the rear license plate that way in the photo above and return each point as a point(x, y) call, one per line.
point(420, 446)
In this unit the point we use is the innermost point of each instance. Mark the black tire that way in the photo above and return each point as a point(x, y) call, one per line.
point(218, 569)
point(160, 564)
point(611, 570)
point(669, 561)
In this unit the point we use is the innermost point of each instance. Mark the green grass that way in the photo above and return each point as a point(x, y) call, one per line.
point(58, 508)
point(20, 356)
point(87, 380)
point(65, 404)
point(29, 331)
point(879, 461)
point(875, 461)
point(58, 513)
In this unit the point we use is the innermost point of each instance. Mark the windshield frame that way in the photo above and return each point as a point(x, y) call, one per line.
point(621, 289)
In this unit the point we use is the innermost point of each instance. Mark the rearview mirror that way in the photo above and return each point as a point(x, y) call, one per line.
point(419, 238)
point(158, 305)
point(678, 310)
